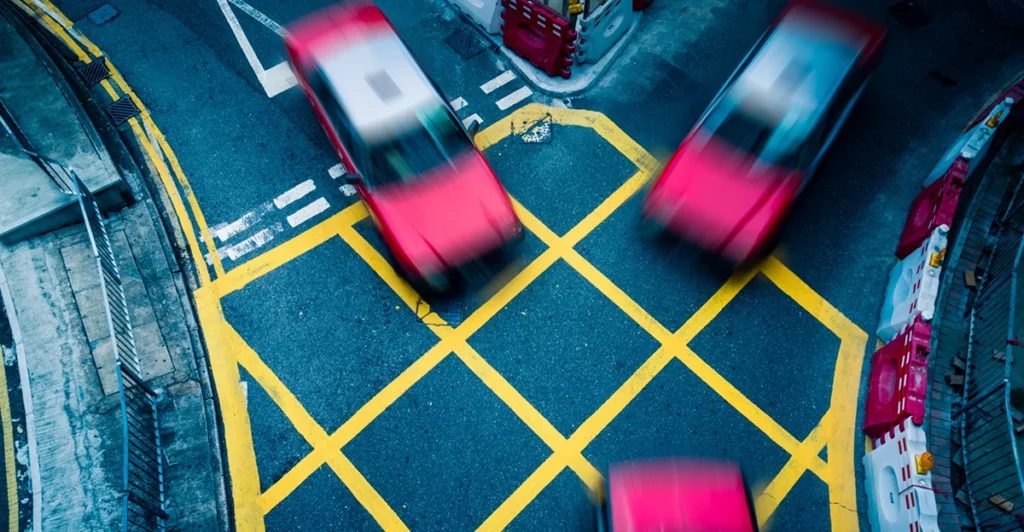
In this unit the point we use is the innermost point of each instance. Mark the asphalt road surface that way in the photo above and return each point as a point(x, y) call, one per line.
point(351, 404)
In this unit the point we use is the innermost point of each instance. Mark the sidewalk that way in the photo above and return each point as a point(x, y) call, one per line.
point(61, 341)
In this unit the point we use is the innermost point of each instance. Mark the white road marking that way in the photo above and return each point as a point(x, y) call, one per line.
point(224, 232)
point(459, 103)
point(336, 171)
point(470, 119)
point(235, 252)
point(260, 17)
point(243, 41)
point(295, 193)
point(519, 95)
point(347, 190)
point(278, 79)
point(307, 212)
point(498, 82)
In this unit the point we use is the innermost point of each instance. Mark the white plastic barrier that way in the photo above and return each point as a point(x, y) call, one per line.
point(602, 29)
point(974, 142)
point(913, 286)
point(900, 497)
point(485, 13)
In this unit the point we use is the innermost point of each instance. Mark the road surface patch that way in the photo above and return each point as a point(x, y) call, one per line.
point(276, 443)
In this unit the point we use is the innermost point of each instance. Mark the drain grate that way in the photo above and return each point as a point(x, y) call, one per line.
point(122, 110)
point(466, 43)
point(910, 14)
point(94, 72)
point(103, 14)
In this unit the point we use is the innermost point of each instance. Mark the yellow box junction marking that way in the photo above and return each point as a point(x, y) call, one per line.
point(835, 430)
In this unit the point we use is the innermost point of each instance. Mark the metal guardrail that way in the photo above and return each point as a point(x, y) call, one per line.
point(991, 458)
point(59, 174)
point(143, 505)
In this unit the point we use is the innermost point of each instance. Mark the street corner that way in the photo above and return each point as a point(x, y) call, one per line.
point(668, 278)
point(448, 442)
point(563, 164)
point(571, 347)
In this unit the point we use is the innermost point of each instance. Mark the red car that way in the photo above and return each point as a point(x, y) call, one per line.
point(676, 495)
point(428, 189)
point(732, 181)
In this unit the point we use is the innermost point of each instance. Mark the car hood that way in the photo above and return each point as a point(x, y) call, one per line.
point(720, 197)
point(448, 217)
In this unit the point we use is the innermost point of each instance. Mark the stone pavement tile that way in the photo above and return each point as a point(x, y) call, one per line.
point(81, 266)
point(134, 289)
point(94, 314)
point(190, 464)
point(103, 359)
point(153, 355)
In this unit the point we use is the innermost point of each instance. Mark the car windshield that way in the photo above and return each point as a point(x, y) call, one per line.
point(761, 136)
point(435, 140)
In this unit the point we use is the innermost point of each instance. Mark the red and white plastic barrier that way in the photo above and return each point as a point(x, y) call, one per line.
point(602, 29)
point(485, 13)
point(539, 35)
point(913, 286)
point(975, 141)
point(934, 206)
point(900, 496)
point(899, 380)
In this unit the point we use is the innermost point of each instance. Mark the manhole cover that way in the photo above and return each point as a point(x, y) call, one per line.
point(466, 43)
point(910, 14)
point(103, 14)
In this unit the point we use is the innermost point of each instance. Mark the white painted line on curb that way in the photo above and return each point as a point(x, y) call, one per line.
point(498, 81)
point(308, 212)
point(295, 193)
point(336, 171)
point(519, 95)
point(470, 119)
point(459, 103)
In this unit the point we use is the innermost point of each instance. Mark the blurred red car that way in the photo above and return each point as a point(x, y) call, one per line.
point(428, 189)
point(731, 182)
point(676, 495)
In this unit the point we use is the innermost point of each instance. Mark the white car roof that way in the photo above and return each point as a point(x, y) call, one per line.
point(378, 84)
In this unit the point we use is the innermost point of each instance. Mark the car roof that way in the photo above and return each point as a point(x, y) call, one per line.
point(378, 83)
point(820, 54)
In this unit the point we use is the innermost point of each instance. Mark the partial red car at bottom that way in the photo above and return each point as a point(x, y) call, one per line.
point(733, 179)
point(676, 495)
point(431, 194)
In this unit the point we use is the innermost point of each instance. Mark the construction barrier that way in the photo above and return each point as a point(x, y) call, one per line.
point(602, 29)
point(913, 286)
point(899, 380)
point(897, 478)
point(640, 5)
point(974, 142)
point(539, 35)
point(934, 206)
point(485, 13)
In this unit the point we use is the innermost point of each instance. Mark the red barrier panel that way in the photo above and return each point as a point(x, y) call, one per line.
point(640, 5)
point(899, 380)
point(933, 207)
point(539, 35)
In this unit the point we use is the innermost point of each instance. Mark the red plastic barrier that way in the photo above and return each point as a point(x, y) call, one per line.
point(1015, 90)
point(899, 380)
point(539, 35)
point(640, 5)
point(933, 207)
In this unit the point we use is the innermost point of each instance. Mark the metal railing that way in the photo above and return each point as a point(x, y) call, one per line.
point(994, 483)
point(59, 174)
point(143, 504)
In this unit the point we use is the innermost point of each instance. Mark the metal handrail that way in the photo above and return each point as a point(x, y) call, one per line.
point(58, 173)
point(143, 501)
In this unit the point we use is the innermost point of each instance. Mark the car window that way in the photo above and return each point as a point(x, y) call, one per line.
point(435, 140)
point(335, 114)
